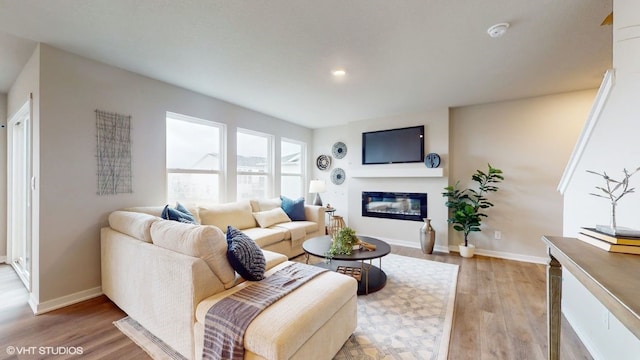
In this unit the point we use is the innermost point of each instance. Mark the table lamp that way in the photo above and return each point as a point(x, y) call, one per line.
point(317, 186)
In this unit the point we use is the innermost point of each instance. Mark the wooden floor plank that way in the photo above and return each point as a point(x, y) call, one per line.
point(465, 337)
point(494, 327)
point(520, 339)
point(88, 324)
point(500, 313)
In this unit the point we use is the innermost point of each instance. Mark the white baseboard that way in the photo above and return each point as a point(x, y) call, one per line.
point(506, 255)
point(454, 248)
point(439, 248)
point(50, 305)
point(3, 259)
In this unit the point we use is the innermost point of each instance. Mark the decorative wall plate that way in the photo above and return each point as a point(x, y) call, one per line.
point(339, 150)
point(432, 160)
point(323, 162)
point(337, 176)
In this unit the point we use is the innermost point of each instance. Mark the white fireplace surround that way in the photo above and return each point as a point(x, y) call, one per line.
point(396, 173)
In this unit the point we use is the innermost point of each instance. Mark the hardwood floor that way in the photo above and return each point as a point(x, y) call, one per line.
point(87, 325)
point(500, 310)
point(500, 314)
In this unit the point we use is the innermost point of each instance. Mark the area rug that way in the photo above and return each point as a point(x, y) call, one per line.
point(410, 318)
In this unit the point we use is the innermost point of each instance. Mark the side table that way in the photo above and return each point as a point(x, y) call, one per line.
point(329, 211)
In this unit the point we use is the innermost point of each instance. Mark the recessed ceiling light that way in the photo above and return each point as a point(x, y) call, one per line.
point(498, 30)
point(338, 72)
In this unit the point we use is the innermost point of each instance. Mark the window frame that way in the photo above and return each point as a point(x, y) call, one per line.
point(269, 173)
point(222, 130)
point(303, 164)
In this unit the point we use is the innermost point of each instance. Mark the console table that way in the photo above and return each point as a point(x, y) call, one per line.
point(611, 277)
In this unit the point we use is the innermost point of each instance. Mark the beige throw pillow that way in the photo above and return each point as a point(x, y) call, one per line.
point(271, 217)
point(237, 214)
point(258, 205)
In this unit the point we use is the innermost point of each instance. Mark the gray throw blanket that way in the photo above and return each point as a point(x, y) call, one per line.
point(228, 319)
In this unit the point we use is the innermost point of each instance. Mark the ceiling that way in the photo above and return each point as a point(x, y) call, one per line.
point(276, 56)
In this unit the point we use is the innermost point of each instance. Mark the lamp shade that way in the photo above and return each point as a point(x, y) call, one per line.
point(316, 186)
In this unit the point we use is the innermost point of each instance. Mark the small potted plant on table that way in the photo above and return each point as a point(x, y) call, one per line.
point(345, 241)
point(467, 205)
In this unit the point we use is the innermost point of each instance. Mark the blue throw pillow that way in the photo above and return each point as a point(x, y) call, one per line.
point(293, 208)
point(183, 209)
point(244, 255)
point(180, 213)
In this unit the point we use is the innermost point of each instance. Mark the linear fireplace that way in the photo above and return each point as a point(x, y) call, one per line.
point(394, 205)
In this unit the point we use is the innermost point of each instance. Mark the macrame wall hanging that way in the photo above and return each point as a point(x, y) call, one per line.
point(113, 153)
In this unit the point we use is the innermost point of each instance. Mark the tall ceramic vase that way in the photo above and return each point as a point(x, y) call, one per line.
point(427, 237)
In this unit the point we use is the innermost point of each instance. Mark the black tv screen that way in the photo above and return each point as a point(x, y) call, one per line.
point(393, 146)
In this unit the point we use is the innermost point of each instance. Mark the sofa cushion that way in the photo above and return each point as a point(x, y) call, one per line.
point(180, 213)
point(237, 214)
point(271, 217)
point(266, 236)
point(282, 328)
point(136, 225)
point(308, 227)
point(244, 255)
point(273, 258)
point(293, 208)
point(205, 242)
point(265, 204)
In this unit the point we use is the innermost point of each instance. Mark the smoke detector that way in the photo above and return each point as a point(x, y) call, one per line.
point(498, 30)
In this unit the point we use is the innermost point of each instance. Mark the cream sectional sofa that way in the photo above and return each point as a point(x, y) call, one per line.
point(282, 237)
point(166, 275)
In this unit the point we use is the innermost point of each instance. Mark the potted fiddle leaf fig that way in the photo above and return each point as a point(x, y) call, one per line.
point(467, 206)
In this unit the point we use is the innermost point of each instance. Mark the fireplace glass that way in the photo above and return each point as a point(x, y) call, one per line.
point(394, 205)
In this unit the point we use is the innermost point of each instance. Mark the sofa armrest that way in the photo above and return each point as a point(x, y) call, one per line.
point(159, 288)
point(315, 213)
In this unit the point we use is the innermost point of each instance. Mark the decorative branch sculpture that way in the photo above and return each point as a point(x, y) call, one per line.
point(614, 190)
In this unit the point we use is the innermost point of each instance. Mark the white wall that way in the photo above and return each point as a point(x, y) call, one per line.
point(3, 177)
point(71, 214)
point(613, 145)
point(602, 334)
point(531, 141)
point(346, 198)
point(323, 140)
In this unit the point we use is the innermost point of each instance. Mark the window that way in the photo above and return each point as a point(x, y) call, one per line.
point(195, 160)
point(254, 163)
point(292, 167)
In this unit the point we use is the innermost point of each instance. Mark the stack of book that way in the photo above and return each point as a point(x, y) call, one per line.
point(629, 244)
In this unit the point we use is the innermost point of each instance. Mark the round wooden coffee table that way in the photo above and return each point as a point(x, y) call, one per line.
point(370, 278)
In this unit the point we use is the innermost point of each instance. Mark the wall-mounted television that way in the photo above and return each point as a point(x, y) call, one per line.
point(404, 145)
